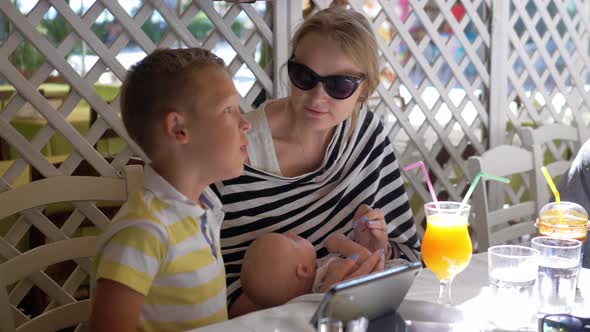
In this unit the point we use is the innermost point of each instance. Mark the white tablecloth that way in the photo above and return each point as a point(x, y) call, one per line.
point(469, 292)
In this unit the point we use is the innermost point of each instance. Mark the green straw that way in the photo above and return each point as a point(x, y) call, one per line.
point(474, 183)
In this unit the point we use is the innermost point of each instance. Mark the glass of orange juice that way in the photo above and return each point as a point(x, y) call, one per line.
point(567, 220)
point(446, 247)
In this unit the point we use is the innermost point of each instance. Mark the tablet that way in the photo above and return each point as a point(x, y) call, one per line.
point(371, 296)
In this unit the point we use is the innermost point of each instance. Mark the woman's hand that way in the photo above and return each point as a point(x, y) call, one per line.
point(348, 269)
point(370, 229)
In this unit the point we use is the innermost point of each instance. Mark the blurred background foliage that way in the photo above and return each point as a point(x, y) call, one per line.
point(27, 59)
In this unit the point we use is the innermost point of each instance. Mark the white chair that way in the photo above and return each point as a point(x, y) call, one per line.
point(542, 138)
point(31, 263)
point(509, 223)
point(27, 268)
point(550, 132)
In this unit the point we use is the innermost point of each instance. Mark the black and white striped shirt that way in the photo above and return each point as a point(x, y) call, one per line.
point(360, 169)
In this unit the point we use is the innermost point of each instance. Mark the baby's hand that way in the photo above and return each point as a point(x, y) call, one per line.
point(348, 269)
point(370, 229)
point(337, 243)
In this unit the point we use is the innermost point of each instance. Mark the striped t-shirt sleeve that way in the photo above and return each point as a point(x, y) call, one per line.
point(133, 257)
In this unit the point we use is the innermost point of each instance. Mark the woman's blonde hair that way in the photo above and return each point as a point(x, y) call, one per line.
point(353, 32)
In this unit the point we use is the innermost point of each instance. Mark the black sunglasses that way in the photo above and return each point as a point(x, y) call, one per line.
point(336, 86)
point(564, 323)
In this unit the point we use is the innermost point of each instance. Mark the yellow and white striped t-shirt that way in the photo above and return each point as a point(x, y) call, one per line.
point(166, 247)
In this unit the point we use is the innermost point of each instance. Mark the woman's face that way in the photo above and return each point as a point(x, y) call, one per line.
point(315, 108)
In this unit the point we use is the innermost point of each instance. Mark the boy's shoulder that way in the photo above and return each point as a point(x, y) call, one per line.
point(141, 205)
point(150, 206)
point(138, 213)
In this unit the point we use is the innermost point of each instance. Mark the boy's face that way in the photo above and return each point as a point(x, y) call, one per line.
point(216, 126)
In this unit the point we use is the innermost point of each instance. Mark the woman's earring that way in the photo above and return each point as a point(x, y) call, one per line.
point(360, 104)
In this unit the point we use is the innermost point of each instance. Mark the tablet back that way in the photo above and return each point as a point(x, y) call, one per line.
point(371, 296)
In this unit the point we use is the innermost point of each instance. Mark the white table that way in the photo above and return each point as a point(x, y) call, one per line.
point(468, 291)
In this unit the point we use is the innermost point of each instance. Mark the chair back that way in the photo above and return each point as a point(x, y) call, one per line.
point(66, 188)
point(557, 146)
point(510, 222)
point(31, 265)
point(27, 269)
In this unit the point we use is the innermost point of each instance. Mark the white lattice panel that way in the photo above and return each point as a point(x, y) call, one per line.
point(433, 92)
point(548, 72)
point(436, 102)
point(29, 97)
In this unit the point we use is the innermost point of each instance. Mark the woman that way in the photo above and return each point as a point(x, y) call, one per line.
point(318, 161)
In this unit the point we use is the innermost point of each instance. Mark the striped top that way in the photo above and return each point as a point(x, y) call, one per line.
point(166, 247)
point(360, 169)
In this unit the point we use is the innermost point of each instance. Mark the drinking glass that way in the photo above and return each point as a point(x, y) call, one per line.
point(564, 220)
point(512, 272)
point(558, 268)
point(446, 248)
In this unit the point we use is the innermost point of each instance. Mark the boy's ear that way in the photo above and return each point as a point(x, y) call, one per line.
point(175, 127)
point(304, 271)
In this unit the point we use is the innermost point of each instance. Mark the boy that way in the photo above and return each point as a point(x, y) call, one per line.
point(159, 266)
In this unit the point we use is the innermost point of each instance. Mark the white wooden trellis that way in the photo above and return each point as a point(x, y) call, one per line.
point(82, 88)
point(452, 94)
point(443, 137)
point(490, 93)
point(548, 74)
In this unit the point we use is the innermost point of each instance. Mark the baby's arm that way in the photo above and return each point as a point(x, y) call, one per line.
point(337, 243)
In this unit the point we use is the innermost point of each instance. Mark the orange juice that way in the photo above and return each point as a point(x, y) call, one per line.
point(563, 228)
point(564, 220)
point(446, 248)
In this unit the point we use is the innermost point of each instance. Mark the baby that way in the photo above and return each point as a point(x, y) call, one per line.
point(280, 267)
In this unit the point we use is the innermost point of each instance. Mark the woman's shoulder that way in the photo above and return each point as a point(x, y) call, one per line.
point(368, 117)
point(261, 148)
point(266, 112)
point(258, 121)
point(274, 111)
point(254, 116)
point(369, 122)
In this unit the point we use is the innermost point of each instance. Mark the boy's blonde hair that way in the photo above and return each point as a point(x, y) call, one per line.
point(162, 82)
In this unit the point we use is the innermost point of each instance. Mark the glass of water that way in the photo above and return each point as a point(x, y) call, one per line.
point(512, 273)
point(559, 265)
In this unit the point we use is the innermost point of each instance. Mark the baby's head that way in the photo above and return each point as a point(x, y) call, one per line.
point(278, 268)
point(181, 107)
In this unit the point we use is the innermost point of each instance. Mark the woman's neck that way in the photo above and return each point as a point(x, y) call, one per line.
point(309, 138)
point(312, 142)
point(299, 149)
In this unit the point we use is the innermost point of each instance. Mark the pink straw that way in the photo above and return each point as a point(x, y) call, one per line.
point(425, 172)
